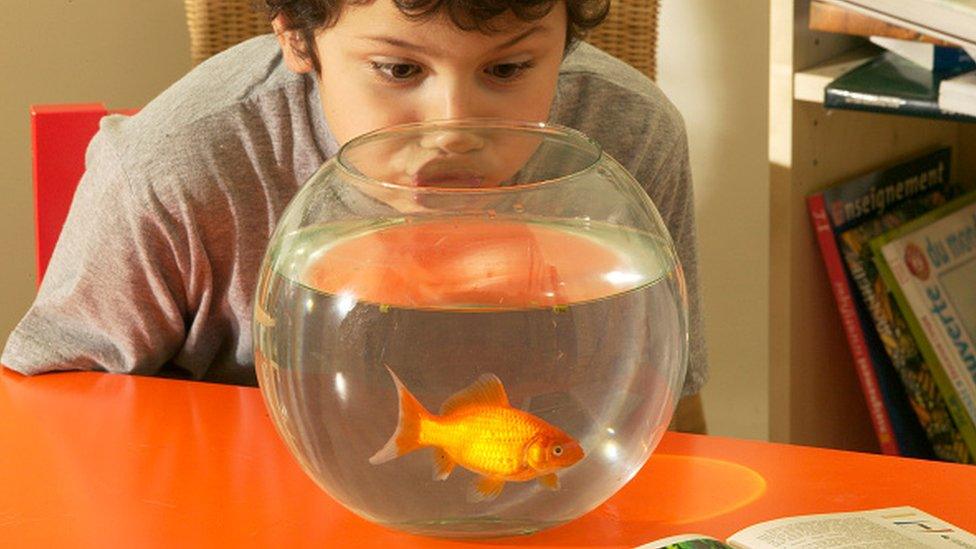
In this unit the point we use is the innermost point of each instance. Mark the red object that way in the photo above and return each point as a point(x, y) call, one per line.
point(880, 419)
point(60, 136)
point(101, 460)
point(445, 263)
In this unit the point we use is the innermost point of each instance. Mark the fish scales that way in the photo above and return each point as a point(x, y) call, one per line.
point(487, 439)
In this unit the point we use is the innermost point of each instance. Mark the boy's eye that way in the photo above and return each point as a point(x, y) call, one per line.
point(508, 71)
point(396, 71)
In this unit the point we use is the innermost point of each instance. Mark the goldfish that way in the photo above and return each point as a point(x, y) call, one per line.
point(479, 430)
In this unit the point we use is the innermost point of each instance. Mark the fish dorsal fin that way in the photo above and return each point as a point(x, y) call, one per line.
point(487, 390)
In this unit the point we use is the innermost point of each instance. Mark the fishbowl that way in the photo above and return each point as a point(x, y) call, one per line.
point(471, 328)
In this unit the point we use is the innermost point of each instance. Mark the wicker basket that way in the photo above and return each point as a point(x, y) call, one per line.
point(216, 25)
point(629, 33)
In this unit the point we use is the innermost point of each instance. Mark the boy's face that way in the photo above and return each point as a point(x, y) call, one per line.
point(379, 68)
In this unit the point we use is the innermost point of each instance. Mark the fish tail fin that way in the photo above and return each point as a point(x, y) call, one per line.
point(406, 438)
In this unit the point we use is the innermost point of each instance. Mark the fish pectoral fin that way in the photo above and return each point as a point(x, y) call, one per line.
point(443, 464)
point(486, 488)
point(550, 481)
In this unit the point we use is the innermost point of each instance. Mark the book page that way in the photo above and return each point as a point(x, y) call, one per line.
point(686, 541)
point(958, 282)
point(892, 528)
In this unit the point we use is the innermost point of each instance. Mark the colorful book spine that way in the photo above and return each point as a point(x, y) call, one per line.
point(877, 410)
point(929, 265)
point(920, 388)
point(840, 208)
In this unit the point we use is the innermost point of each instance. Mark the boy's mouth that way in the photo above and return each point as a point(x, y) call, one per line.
point(448, 177)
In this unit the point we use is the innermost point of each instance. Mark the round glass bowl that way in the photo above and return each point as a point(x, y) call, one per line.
point(471, 327)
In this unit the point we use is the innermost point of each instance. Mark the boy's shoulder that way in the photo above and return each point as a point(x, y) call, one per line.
point(233, 110)
point(237, 76)
point(226, 97)
point(614, 103)
point(587, 61)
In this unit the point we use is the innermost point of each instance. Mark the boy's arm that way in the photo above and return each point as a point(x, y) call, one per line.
point(636, 124)
point(112, 298)
point(667, 180)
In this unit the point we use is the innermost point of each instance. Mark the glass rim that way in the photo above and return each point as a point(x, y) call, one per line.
point(487, 123)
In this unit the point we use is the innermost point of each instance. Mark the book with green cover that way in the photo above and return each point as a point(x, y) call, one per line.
point(892, 329)
point(892, 84)
point(929, 264)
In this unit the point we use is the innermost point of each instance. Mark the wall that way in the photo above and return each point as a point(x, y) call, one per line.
point(118, 52)
point(713, 64)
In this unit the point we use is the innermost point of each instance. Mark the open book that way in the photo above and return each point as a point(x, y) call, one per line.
point(891, 528)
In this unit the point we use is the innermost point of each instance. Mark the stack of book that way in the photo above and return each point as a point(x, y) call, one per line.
point(924, 62)
point(899, 244)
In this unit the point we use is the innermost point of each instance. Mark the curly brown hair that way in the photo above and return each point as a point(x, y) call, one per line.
point(307, 16)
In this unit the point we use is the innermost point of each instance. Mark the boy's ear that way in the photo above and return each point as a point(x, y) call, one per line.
point(292, 46)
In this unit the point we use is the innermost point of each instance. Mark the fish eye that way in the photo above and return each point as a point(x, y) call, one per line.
point(557, 450)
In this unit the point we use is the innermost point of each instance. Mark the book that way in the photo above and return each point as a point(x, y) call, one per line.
point(836, 210)
point(958, 94)
point(929, 265)
point(892, 329)
point(826, 17)
point(950, 20)
point(928, 56)
point(889, 527)
point(890, 83)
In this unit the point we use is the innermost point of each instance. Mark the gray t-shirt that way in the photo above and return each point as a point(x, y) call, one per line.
point(157, 263)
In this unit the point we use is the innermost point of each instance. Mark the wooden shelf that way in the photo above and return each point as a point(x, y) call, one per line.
point(815, 397)
point(809, 84)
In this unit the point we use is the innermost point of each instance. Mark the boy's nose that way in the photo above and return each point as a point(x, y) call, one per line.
point(457, 99)
point(453, 141)
point(454, 98)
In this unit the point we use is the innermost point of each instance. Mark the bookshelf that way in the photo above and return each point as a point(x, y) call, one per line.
point(815, 397)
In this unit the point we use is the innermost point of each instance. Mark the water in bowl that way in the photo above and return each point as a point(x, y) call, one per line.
point(580, 321)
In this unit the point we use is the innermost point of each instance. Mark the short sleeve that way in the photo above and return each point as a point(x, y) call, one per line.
point(112, 298)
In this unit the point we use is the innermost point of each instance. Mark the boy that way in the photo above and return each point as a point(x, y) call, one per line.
point(156, 266)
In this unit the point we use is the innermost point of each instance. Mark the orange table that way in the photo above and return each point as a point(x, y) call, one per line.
point(99, 460)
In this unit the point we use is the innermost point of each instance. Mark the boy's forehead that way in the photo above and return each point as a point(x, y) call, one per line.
point(384, 16)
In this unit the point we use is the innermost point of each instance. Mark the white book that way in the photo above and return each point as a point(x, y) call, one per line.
point(920, 53)
point(959, 94)
point(890, 527)
point(926, 55)
point(950, 20)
